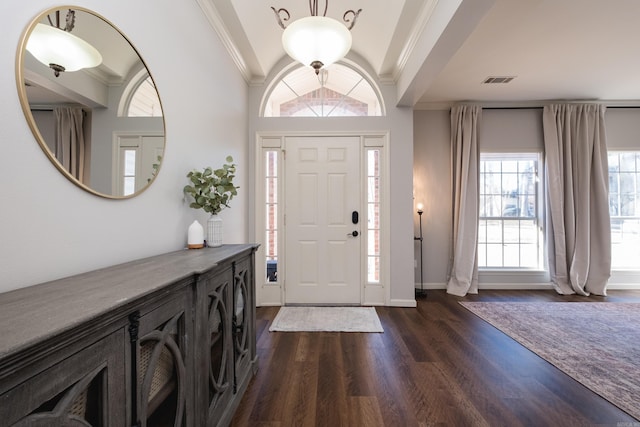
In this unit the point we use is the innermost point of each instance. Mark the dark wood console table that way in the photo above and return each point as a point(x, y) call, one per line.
point(166, 340)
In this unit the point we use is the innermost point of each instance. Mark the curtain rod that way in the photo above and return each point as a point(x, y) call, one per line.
point(512, 108)
point(49, 108)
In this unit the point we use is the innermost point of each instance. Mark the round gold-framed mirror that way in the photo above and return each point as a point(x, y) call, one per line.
point(90, 102)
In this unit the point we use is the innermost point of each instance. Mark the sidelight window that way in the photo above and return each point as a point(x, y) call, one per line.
point(373, 215)
point(129, 170)
point(271, 217)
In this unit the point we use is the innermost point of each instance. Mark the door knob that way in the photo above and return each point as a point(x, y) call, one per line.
point(354, 233)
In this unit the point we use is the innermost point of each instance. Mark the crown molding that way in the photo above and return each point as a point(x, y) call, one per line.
point(217, 23)
point(386, 79)
point(420, 24)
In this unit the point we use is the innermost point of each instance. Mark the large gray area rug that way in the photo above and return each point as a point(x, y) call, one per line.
point(597, 344)
point(329, 319)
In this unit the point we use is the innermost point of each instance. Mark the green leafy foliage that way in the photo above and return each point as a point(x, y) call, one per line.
point(154, 169)
point(212, 189)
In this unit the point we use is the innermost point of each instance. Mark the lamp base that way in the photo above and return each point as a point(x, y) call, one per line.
point(57, 69)
point(421, 293)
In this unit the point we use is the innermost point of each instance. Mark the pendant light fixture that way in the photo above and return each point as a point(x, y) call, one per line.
point(316, 41)
point(60, 50)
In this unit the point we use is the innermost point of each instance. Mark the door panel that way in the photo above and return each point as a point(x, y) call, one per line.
point(322, 189)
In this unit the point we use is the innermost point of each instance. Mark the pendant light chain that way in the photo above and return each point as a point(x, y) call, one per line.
point(313, 7)
point(70, 20)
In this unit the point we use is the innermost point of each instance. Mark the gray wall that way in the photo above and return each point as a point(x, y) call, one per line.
point(432, 188)
point(501, 130)
point(49, 228)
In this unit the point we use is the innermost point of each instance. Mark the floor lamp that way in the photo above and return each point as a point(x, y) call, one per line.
point(420, 292)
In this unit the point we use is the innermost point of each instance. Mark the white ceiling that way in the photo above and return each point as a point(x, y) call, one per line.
point(438, 52)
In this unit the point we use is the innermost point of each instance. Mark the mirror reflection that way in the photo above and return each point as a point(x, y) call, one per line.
point(96, 113)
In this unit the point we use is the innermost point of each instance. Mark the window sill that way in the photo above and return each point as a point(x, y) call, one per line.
point(625, 276)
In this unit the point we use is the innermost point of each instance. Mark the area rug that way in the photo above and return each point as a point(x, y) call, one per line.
point(597, 344)
point(328, 319)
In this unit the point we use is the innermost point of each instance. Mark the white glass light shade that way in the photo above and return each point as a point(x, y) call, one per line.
point(51, 45)
point(316, 38)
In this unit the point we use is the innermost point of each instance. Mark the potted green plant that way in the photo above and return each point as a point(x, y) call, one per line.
point(212, 190)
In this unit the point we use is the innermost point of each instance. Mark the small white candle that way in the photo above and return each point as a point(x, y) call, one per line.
point(195, 239)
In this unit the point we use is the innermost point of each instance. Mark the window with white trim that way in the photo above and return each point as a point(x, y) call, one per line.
point(271, 211)
point(373, 214)
point(624, 209)
point(129, 162)
point(510, 228)
point(337, 91)
point(145, 102)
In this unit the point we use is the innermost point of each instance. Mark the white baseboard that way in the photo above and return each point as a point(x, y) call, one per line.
point(516, 286)
point(411, 303)
point(496, 286)
point(623, 286)
point(528, 286)
point(432, 285)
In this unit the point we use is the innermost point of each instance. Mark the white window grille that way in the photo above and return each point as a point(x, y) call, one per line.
point(510, 228)
point(337, 91)
point(373, 214)
point(624, 209)
point(271, 217)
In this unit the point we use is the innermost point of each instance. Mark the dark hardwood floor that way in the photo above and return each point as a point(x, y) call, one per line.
point(435, 365)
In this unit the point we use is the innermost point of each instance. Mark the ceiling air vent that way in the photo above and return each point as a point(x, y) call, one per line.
point(498, 79)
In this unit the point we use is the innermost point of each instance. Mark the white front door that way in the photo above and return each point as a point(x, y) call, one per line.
point(322, 192)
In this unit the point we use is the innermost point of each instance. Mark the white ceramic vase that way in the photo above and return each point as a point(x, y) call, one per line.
point(214, 231)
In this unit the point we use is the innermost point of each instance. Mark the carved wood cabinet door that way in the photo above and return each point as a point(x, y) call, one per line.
point(226, 301)
point(84, 389)
point(217, 350)
point(243, 321)
point(161, 359)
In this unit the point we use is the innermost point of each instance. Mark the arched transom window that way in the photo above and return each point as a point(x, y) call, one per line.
point(145, 101)
point(140, 97)
point(337, 91)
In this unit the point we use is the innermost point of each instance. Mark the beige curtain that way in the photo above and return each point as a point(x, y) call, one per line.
point(465, 162)
point(578, 224)
point(69, 143)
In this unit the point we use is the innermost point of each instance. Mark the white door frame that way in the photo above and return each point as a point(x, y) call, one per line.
point(272, 293)
point(133, 140)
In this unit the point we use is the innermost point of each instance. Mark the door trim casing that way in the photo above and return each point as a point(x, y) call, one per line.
point(272, 293)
